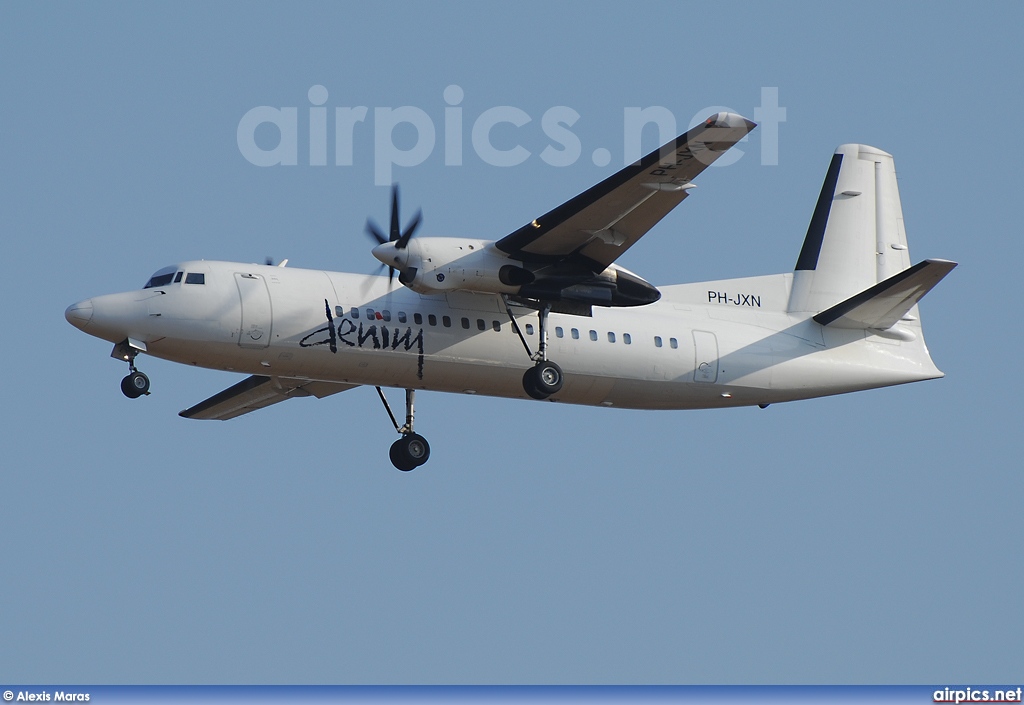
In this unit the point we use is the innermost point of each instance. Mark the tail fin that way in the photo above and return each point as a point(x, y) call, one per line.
point(856, 237)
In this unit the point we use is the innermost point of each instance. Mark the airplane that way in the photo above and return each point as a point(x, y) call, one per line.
point(476, 316)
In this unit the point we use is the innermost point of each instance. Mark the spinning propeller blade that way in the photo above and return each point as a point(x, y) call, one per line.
point(403, 240)
point(373, 231)
point(396, 234)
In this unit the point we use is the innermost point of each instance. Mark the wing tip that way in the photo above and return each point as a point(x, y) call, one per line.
point(725, 119)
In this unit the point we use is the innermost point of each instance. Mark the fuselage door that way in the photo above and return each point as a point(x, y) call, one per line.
point(705, 347)
point(256, 312)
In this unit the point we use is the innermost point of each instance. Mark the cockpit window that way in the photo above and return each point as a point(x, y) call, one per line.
point(195, 278)
point(177, 277)
point(162, 277)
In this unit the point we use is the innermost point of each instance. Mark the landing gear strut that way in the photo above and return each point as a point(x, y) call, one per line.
point(135, 384)
point(545, 377)
point(411, 450)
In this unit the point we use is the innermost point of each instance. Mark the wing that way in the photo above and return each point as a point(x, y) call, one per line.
point(257, 392)
point(597, 226)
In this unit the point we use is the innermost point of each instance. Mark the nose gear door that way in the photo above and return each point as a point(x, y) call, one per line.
point(256, 312)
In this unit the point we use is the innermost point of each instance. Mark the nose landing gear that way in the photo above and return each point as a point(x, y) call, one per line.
point(135, 384)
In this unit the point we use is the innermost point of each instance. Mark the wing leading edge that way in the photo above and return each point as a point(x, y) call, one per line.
point(258, 392)
point(596, 227)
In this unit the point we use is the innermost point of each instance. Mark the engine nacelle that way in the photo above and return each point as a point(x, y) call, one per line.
point(441, 264)
point(614, 286)
point(437, 265)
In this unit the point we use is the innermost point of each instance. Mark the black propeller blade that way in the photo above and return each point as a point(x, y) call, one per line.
point(403, 241)
point(374, 232)
point(396, 235)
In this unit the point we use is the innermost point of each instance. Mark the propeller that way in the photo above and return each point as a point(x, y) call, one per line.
point(396, 234)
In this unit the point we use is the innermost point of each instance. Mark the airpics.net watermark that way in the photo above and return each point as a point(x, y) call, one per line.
point(270, 136)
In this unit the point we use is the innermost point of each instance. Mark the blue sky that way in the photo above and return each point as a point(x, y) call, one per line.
point(870, 538)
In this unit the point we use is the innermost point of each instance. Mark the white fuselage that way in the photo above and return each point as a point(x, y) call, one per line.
point(714, 344)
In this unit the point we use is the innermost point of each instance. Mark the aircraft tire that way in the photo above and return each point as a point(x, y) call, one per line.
point(409, 452)
point(135, 385)
point(543, 380)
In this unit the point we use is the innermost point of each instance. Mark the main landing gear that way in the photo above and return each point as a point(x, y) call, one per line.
point(411, 450)
point(545, 377)
point(135, 384)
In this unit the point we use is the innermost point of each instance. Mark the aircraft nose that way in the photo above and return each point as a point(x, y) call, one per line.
point(79, 314)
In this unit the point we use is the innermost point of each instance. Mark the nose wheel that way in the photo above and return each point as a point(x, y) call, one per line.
point(135, 385)
point(411, 450)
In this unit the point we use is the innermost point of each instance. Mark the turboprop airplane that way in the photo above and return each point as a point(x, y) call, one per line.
point(475, 316)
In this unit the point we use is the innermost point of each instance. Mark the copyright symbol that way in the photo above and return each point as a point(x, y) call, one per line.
point(8, 696)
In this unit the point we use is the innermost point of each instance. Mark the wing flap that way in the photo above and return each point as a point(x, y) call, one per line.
point(883, 305)
point(604, 221)
point(258, 392)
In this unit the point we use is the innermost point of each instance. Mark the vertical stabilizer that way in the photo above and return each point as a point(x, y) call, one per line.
point(856, 237)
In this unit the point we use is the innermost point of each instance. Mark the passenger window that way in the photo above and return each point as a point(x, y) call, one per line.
point(575, 334)
point(401, 317)
point(627, 339)
point(339, 311)
point(354, 313)
point(195, 278)
point(673, 343)
point(370, 314)
point(432, 319)
point(417, 318)
point(657, 341)
point(529, 329)
point(481, 324)
point(496, 326)
point(559, 333)
point(177, 277)
point(611, 337)
point(593, 335)
point(465, 323)
point(446, 321)
point(386, 315)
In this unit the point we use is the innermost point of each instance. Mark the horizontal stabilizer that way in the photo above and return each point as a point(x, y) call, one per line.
point(884, 304)
point(258, 392)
